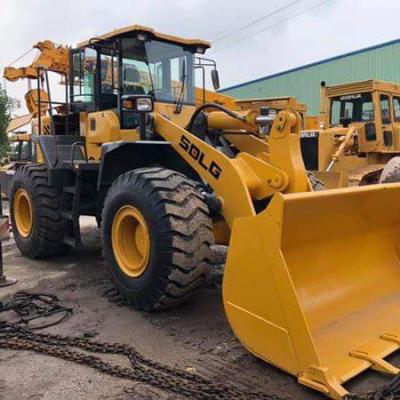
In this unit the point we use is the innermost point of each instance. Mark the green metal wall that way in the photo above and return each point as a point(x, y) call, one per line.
point(378, 62)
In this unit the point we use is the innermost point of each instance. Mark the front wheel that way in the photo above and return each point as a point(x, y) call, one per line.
point(157, 235)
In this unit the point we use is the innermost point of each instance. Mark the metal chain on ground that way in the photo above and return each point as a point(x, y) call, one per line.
point(16, 336)
point(36, 306)
point(142, 370)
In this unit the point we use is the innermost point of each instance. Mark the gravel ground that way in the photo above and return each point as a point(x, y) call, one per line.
point(195, 336)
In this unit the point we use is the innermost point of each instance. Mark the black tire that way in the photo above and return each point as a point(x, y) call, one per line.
point(45, 239)
point(180, 235)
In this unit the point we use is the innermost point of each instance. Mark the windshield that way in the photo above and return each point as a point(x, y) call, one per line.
point(353, 107)
point(163, 70)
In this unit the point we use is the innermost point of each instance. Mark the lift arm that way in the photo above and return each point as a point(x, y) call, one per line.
point(253, 178)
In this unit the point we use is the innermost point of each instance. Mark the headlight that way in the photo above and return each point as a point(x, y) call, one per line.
point(128, 104)
point(144, 104)
point(137, 103)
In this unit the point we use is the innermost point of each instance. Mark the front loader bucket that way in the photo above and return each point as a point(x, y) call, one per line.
point(312, 283)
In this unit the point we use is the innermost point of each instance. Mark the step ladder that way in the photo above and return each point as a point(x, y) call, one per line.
point(70, 203)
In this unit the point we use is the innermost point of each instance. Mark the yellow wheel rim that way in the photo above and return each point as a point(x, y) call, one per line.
point(23, 212)
point(130, 241)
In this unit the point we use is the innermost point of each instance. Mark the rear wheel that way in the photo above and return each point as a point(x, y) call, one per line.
point(157, 235)
point(35, 213)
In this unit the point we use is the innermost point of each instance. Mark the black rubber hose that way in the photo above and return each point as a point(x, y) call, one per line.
point(217, 107)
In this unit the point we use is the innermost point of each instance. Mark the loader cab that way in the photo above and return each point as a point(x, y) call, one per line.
point(134, 62)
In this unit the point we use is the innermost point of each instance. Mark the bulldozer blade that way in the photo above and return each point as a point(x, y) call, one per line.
point(312, 283)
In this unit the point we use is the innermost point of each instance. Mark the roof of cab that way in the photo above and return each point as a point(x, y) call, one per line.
point(369, 85)
point(139, 28)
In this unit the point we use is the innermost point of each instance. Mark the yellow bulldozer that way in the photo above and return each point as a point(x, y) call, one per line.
point(312, 279)
point(359, 134)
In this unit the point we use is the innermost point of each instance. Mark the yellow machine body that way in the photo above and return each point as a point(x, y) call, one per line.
point(315, 287)
point(312, 279)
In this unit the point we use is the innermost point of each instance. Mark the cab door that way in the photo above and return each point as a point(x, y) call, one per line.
point(386, 121)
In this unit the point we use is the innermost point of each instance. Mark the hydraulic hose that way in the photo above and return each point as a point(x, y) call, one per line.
point(217, 107)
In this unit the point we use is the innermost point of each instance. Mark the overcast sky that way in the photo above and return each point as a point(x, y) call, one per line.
point(334, 27)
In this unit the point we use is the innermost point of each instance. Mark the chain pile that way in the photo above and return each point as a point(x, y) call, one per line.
point(36, 307)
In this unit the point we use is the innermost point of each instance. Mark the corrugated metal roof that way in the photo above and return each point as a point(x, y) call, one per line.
point(327, 60)
point(378, 62)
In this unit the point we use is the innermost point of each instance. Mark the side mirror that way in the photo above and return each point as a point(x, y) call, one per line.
point(215, 78)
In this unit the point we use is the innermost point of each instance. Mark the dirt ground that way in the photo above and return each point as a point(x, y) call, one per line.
point(195, 335)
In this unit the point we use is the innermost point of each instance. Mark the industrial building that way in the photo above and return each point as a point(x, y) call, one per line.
point(377, 62)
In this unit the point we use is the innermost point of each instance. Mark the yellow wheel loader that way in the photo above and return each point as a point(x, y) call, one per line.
point(312, 279)
point(358, 135)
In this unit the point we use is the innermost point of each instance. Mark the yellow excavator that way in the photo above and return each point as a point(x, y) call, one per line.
point(312, 279)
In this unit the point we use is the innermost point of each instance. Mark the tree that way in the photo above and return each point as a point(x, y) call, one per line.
point(7, 105)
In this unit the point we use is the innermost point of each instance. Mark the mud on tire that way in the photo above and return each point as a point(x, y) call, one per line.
point(180, 236)
point(45, 238)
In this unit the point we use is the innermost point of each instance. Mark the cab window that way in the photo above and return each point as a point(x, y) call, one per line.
point(109, 74)
point(83, 75)
point(352, 108)
point(25, 151)
point(396, 108)
point(135, 71)
point(385, 109)
point(335, 113)
point(172, 72)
